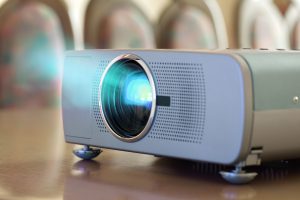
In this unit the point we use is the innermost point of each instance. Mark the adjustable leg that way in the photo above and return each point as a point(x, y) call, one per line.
point(87, 153)
point(238, 175)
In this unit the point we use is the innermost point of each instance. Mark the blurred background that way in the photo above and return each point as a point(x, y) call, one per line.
point(35, 33)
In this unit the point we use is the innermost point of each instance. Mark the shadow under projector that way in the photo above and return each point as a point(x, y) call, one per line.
point(228, 107)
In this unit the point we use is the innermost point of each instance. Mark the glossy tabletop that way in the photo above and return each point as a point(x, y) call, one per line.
point(36, 163)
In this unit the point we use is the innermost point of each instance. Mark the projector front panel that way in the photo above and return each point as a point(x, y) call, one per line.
point(206, 119)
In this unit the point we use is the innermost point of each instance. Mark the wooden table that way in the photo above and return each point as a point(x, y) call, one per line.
point(36, 163)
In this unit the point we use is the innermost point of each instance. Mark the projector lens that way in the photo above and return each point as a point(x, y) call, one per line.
point(128, 98)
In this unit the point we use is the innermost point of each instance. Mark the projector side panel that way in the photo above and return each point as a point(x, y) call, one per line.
point(76, 98)
point(276, 79)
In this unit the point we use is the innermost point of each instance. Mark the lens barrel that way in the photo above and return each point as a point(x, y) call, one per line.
point(127, 98)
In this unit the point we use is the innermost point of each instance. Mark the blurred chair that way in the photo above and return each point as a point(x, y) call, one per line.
point(117, 24)
point(261, 25)
point(292, 17)
point(283, 5)
point(33, 37)
point(192, 24)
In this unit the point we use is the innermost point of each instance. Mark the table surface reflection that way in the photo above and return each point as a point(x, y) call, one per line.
point(36, 163)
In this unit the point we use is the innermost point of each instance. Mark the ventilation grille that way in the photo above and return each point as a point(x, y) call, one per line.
point(95, 103)
point(185, 84)
point(182, 122)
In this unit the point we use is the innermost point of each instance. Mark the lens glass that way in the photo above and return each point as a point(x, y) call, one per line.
point(126, 98)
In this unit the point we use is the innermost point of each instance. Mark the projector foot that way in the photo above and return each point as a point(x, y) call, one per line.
point(238, 176)
point(87, 153)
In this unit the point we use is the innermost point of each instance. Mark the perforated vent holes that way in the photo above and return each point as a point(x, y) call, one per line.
point(185, 84)
point(95, 103)
point(184, 120)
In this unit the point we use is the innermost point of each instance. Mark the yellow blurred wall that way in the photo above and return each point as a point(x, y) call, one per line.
point(230, 9)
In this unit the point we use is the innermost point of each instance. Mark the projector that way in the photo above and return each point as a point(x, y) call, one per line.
point(229, 107)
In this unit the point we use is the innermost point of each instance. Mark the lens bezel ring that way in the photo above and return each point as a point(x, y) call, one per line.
point(143, 65)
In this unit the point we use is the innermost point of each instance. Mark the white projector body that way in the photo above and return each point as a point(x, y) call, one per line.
point(227, 107)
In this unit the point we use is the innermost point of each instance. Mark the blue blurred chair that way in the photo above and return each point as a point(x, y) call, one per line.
point(33, 37)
